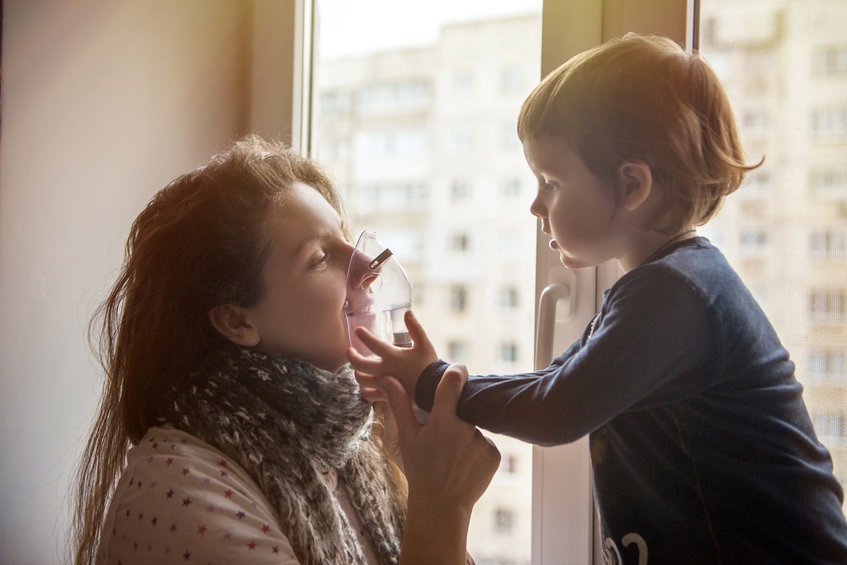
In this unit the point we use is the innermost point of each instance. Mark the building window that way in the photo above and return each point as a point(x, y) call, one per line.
point(460, 242)
point(755, 124)
point(828, 244)
point(461, 138)
point(509, 464)
point(757, 183)
point(829, 123)
point(334, 102)
point(829, 182)
point(392, 98)
point(827, 366)
point(504, 520)
point(457, 350)
point(509, 352)
point(830, 60)
point(458, 298)
point(460, 189)
point(827, 306)
point(753, 241)
point(830, 424)
point(514, 80)
point(462, 82)
point(509, 297)
point(510, 188)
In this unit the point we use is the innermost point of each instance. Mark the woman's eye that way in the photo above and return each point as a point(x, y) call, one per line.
point(321, 258)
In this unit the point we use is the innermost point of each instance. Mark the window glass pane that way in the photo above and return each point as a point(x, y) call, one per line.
point(784, 65)
point(414, 113)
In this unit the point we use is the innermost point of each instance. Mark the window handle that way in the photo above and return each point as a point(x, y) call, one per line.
point(548, 304)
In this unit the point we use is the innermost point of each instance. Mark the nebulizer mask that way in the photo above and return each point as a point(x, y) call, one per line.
point(378, 294)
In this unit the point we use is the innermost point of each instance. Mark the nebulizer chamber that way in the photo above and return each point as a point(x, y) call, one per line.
point(378, 294)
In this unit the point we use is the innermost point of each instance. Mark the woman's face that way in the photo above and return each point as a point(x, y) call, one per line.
point(301, 313)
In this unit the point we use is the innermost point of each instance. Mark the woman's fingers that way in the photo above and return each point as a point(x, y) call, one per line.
point(404, 417)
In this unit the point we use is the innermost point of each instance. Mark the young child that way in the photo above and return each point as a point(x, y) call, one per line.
point(701, 446)
point(231, 429)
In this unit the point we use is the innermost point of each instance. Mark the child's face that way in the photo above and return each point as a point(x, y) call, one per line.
point(305, 280)
point(575, 207)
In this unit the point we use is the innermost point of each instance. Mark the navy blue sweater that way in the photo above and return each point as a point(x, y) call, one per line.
point(701, 445)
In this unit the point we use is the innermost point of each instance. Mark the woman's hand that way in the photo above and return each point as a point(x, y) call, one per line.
point(390, 434)
point(448, 465)
point(403, 363)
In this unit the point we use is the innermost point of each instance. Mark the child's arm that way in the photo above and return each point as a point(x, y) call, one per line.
point(403, 363)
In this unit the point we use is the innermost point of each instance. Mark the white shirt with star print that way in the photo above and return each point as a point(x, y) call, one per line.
point(180, 500)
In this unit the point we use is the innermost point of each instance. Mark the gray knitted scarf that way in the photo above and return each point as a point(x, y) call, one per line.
point(287, 423)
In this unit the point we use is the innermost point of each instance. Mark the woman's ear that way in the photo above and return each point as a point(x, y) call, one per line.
point(636, 183)
point(231, 322)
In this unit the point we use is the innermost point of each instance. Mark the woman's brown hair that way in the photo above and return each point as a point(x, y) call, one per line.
point(199, 243)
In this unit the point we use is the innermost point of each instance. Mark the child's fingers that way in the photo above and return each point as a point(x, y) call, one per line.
point(416, 331)
point(372, 342)
point(362, 364)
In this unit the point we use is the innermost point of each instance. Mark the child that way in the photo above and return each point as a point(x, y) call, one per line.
point(701, 446)
point(224, 345)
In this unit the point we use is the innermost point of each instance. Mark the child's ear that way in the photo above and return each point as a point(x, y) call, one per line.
point(231, 321)
point(636, 183)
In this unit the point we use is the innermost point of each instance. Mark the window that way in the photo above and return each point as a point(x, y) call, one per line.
point(508, 352)
point(830, 60)
point(508, 464)
point(459, 242)
point(463, 83)
point(827, 306)
point(460, 190)
point(510, 189)
point(753, 241)
point(425, 104)
point(828, 182)
point(457, 350)
point(828, 244)
point(458, 298)
point(829, 124)
point(827, 366)
point(509, 297)
point(504, 520)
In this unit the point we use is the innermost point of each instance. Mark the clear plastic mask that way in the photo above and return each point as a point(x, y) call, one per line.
point(378, 294)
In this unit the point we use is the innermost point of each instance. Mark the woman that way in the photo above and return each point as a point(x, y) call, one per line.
point(224, 344)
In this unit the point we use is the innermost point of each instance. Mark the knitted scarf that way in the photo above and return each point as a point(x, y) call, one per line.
point(287, 423)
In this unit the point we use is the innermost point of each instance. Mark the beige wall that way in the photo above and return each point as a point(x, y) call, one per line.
point(102, 103)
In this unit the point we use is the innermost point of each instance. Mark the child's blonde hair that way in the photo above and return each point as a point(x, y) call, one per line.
point(645, 98)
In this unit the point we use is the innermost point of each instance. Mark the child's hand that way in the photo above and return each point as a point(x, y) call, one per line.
point(403, 363)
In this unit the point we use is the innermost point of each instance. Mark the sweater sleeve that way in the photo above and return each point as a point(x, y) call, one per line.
point(653, 344)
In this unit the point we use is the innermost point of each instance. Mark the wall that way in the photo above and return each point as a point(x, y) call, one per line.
point(102, 103)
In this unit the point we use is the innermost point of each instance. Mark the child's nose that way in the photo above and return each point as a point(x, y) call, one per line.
point(536, 208)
